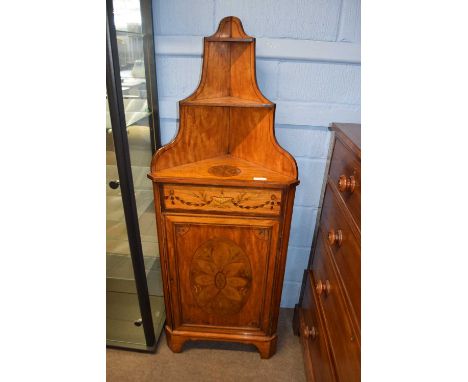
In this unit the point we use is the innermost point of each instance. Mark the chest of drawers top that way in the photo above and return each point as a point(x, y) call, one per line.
point(349, 134)
point(344, 175)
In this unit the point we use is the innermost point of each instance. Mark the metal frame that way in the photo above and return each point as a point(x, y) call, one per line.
point(117, 115)
point(150, 71)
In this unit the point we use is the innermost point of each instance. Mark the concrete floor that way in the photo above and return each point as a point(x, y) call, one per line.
point(212, 361)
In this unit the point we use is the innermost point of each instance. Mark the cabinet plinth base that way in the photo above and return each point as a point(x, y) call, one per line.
point(266, 346)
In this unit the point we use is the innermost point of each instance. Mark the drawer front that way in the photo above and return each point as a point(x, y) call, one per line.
point(314, 343)
point(345, 174)
point(219, 199)
point(345, 247)
point(344, 341)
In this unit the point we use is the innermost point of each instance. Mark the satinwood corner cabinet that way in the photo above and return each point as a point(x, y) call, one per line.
point(224, 192)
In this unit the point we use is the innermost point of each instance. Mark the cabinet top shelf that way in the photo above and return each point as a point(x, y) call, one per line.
point(223, 170)
point(229, 39)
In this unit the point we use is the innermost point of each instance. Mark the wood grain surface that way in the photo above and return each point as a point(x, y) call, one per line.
point(222, 199)
point(332, 285)
point(224, 192)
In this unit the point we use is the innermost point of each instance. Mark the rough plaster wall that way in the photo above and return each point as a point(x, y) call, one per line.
point(309, 95)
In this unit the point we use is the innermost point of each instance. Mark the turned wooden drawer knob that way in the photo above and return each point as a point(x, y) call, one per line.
point(322, 287)
point(310, 332)
point(346, 183)
point(335, 237)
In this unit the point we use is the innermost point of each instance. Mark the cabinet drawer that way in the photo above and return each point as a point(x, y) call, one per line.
point(219, 199)
point(344, 341)
point(345, 247)
point(314, 343)
point(345, 174)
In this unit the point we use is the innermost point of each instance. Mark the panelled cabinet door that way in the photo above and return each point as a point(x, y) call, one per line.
point(220, 269)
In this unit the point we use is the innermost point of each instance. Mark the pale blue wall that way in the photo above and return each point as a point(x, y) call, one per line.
point(309, 93)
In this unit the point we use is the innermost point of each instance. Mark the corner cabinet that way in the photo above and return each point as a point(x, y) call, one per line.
point(224, 192)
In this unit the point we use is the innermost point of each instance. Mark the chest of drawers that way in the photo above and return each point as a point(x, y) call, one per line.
point(328, 316)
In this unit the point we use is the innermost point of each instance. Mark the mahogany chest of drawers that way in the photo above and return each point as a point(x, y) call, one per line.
point(328, 316)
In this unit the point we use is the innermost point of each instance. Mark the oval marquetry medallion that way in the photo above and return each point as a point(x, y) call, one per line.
point(224, 170)
point(220, 276)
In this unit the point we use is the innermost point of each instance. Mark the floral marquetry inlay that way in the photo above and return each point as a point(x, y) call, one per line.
point(182, 229)
point(223, 199)
point(220, 276)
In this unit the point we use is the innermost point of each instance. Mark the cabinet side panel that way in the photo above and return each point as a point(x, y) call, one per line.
point(203, 134)
point(241, 72)
point(252, 139)
point(288, 202)
point(162, 253)
point(216, 77)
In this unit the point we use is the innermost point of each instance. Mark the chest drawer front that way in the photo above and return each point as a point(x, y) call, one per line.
point(343, 339)
point(314, 343)
point(345, 247)
point(219, 199)
point(345, 174)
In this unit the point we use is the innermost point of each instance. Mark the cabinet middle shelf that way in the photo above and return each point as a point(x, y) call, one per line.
point(227, 101)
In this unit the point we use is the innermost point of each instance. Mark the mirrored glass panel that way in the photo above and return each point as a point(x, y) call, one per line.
point(122, 310)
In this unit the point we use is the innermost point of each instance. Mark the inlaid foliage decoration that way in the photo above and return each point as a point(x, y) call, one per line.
point(222, 200)
point(220, 276)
